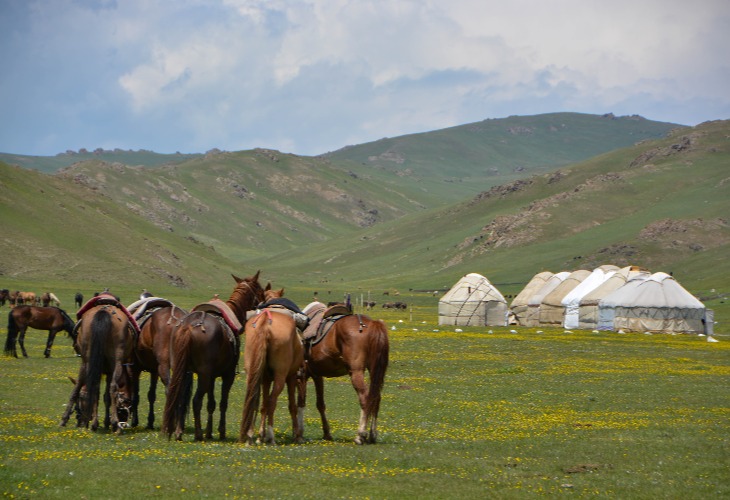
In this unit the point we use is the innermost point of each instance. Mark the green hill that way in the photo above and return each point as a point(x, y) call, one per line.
point(469, 158)
point(338, 224)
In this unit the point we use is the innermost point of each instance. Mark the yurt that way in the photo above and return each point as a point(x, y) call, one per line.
point(588, 308)
point(552, 310)
point(473, 301)
point(659, 304)
point(607, 305)
point(571, 302)
point(518, 307)
point(532, 316)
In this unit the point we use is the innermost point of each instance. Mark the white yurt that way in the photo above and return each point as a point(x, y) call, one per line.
point(518, 307)
point(659, 304)
point(473, 301)
point(552, 310)
point(571, 301)
point(588, 309)
point(607, 305)
point(532, 317)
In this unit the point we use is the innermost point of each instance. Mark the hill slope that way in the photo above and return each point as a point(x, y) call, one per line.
point(659, 204)
point(472, 157)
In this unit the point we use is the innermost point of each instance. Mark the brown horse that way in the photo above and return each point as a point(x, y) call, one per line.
point(157, 318)
point(353, 344)
point(273, 358)
point(207, 345)
point(20, 318)
point(106, 342)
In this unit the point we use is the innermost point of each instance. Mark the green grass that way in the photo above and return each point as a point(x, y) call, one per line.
point(469, 414)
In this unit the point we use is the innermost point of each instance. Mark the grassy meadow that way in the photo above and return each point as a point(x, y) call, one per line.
point(477, 413)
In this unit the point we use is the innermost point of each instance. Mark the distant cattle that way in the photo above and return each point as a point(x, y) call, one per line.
point(395, 305)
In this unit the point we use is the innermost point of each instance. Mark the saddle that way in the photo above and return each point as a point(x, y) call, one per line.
point(106, 299)
point(142, 309)
point(321, 322)
point(220, 309)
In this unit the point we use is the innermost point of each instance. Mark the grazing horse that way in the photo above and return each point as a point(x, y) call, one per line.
point(28, 298)
point(207, 343)
point(78, 299)
point(105, 341)
point(48, 298)
point(157, 318)
point(273, 354)
point(21, 317)
point(347, 344)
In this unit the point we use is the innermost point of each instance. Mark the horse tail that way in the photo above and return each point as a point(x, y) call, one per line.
point(378, 352)
point(255, 353)
point(12, 335)
point(179, 388)
point(101, 325)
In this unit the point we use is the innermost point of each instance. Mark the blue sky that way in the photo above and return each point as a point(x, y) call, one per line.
point(311, 76)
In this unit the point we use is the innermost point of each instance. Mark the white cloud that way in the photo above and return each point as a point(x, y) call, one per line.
point(312, 75)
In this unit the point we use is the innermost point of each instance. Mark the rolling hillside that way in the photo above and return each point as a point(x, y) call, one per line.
point(336, 223)
point(661, 204)
point(473, 157)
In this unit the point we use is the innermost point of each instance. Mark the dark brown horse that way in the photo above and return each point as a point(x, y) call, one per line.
point(354, 344)
point(273, 358)
point(207, 345)
point(157, 318)
point(20, 318)
point(106, 342)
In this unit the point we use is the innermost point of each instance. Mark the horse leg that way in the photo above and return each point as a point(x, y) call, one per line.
point(358, 382)
point(227, 383)
point(322, 407)
point(109, 404)
point(21, 341)
point(210, 409)
point(200, 391)
point(151, 397)
point(95, 409)
point(80, 381)
point(279, 382)
point(49, 343)
point(266, 430)
point(291, 387)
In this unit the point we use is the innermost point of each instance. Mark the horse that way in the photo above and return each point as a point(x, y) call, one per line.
point(157, 318)
point(21, 317)
point(4, 296)
point(28, 298)
point(273, 355)
point(48, 298)
point(352, 345)
point(207, 343)
point(105, 341)
point(78, 299)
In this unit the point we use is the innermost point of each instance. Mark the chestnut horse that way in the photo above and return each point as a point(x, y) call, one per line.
point(157, 318)
point(354, 343)
point(106, 343)
point(52, 319)
point(273, 358)
point(205, 344)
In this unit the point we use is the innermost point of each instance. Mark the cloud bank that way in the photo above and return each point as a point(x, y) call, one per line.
point(310, 76)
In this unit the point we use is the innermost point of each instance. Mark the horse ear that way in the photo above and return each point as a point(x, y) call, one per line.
point(281, 291)
point(256, 276)
point(238, 280)
point(268, 287)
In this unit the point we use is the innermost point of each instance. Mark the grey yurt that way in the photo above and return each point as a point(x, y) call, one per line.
point(659, 304)
point(518, 307)
point(473, 301)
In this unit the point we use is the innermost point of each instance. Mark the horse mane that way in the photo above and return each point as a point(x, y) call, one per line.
point(246, 295)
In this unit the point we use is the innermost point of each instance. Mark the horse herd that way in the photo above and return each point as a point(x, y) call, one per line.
point(283, 347)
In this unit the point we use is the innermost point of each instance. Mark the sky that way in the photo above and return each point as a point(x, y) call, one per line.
point(312, 76)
